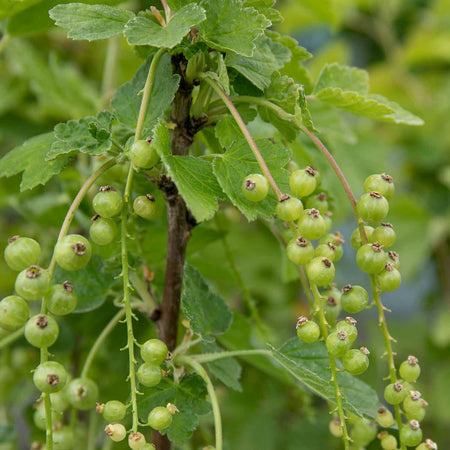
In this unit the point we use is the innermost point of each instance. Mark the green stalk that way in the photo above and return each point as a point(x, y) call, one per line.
point(109, 68)
point(11, 337)
point(198, 368)
point(209, 357)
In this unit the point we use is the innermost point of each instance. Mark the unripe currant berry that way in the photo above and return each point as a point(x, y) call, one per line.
point(389, 279)
point(289, 208)
point(413, 402)
point(303, 182)
point(160, 417)
point(311, 224)
point(418, 415)
point(50, 376)
point(427, 445)
point(372, 207)
point(72, 252)
point(356, 240)
point(319, 201)
point(59, 401)
point(143, 154)
point(255, 187)
point(14, 312)
point(335, 427)
point(328, 219)
point(387, 441)
point(32, 283)
point(108, 202)
point(371, 258)
point(384, 417)
point(154, 351)
point(381, 183)
point(337, 343)
point(363, 432)
point(349, 326)
point(61, 299)
point(356, 361)
point(300, 251)
point(149, 374)
point(148, 446)
point(327, 251)
point(145, 206)
point(21, 252)
point(63, 438)
point(331, 304)
point(136, 441)
point(116, 431)
point(337, 240)
point(41, 331)
point(307, 330)
point(410, 370)
point(39, 418)
point(113, 411)
point(102, 230)
point(82, 393)
point(384, 234)
point(411, 434)
point(354, 298)
point(394, 258)
point(320, 271)
point(395, 393)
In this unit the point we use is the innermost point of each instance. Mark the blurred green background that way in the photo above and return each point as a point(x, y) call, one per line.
point(405, 45)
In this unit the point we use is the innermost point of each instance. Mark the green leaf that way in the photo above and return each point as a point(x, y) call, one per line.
point(267, 58)
point(90, 135)
point(309, 364)
point(230, 27)
point(90, 22)
point(12, 91)
point(238, 162)
point(207, 312)
point(188, 396)
point(10, 7)
point(127, 101)
point(348, 88)
point(227, 370)
point(143, 31)
point(193, 177)
point(91, 284)
point(29, 158)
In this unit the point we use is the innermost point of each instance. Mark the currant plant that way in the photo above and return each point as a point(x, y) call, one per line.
point(182, 140)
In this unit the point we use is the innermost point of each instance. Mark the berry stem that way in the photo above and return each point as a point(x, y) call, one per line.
point(337, 392)
point(198, 368)
point(208, 357)
point(48, 421)
point(11, 337)
point(109, 69)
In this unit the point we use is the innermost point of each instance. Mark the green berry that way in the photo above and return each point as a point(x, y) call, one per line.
point(335, 239)
point(381, 183)
point(387, 441)
point(59, 401)
point(303, 182)
point(116, 431)
point(82, 393)
point(354, 298)
point(331, 305)
point(63, 438)
point(145, 206)
point(102, 230)
point(114, 411)
point(411, 434)
point(395, 393)
point(319, 201)
point(108, 202)
point(14, 312)
point(328, 219)
point(363, 432)
point(39, 418)
point(349, 326)
point(61, 299)
point(410, 369)
point(289, 208)
point(143, 154)
point(335, 427)
point(255, 187)
point(394, 258)
point(22, 252)
point(371, 258)
point(154, 351)
point(427, 445)
point(372, 207)
point(136, 441)
point(356, 240)
point(32, 283)
point(389, 279)
point(320, 271)
point(72, 252)
point(384, 417)
point(356, 361)
point(160, 418)
point(413, 402)
point(307, 330)
point(300, 251)
point(311, 224)
point(338, 343)
point(50, 377)
point(384, 234)
point(418, 415)
point(327, 251)
point(149, 374)
point(41, 331)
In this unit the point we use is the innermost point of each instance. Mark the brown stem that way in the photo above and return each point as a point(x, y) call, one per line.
point(179, 222)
